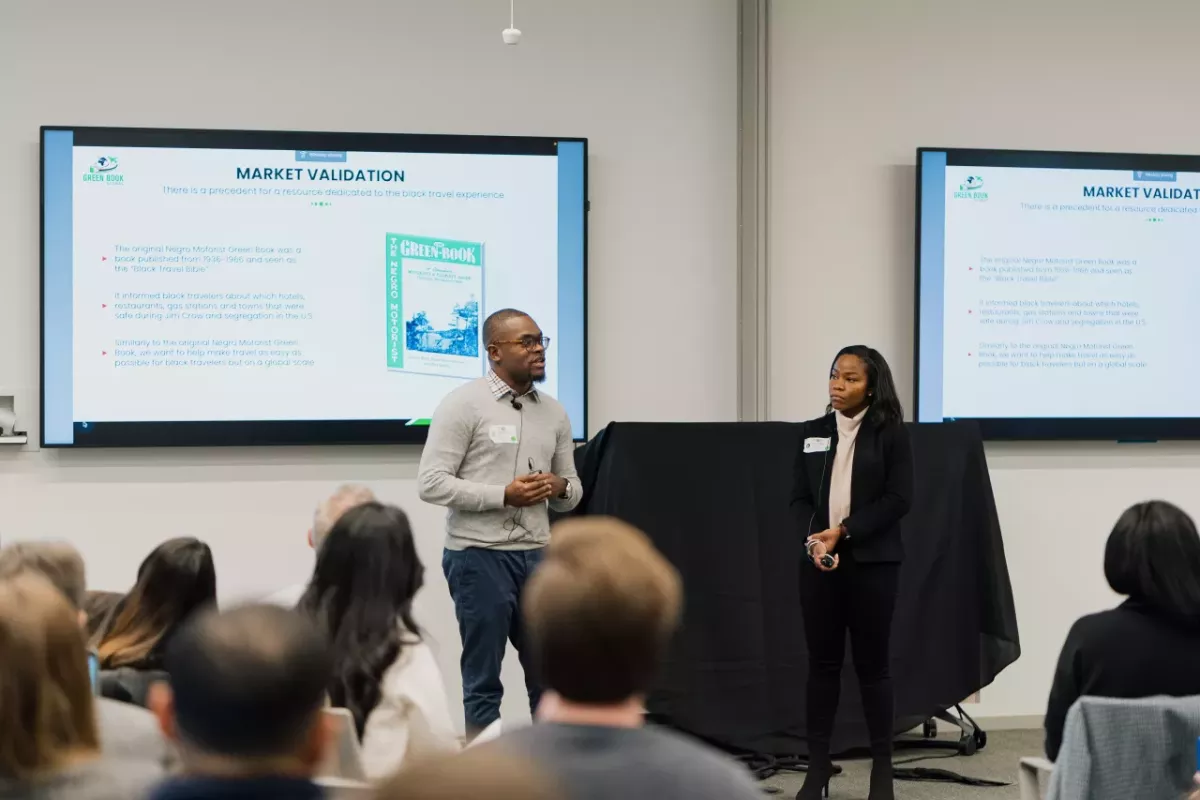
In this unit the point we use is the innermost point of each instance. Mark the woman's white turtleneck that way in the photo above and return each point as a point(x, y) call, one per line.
point(843, 465)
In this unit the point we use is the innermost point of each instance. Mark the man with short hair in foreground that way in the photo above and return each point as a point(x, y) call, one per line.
point(599, 613)
point(244, 705)
point(127, 732)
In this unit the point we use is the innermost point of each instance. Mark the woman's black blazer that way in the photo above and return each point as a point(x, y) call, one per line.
point(881, 487)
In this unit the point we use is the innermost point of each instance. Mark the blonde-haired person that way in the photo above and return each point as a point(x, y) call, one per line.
point(49, 748)
point(126, 731)
point(328, 512)
point(482, 772)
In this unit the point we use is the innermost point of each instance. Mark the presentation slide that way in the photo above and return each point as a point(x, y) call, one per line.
point(1057, 289)
point(262, 287)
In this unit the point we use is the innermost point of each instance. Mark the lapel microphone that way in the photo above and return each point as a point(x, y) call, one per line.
point(515, 402)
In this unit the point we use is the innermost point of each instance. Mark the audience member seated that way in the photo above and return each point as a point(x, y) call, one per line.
point(49, 748)
point(327, 513)
point(244, 705)
point(599, 612)
point(485, 773)
point(1150, 644)
point(384, 673)
point(175, 580)
point(126, 732)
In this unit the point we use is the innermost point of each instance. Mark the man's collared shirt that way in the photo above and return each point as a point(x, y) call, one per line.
point(501, 390)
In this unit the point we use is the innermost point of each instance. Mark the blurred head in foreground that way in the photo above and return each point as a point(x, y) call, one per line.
point(246, 692)
point(47, 718)
point(57, 562)
point(177, 579)
point(483, 772)
point(1153, 556)
point(62, 565)
point(600, 611)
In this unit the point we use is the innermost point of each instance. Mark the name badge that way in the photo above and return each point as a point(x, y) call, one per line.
point(815, 444)
point(503, 434)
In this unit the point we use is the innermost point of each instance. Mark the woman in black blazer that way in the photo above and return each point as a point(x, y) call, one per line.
point(853, 485)
point(1150, 644)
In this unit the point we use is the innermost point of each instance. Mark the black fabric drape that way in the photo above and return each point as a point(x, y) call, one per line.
point(714, 498)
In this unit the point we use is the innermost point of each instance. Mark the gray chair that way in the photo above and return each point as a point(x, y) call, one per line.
point(345, 790)
point(489, 734)
point(342, 774)
point(129, 685)
point(1117, 749)
point(1033, 777)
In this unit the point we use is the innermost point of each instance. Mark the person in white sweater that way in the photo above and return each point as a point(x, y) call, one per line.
point(385, 674)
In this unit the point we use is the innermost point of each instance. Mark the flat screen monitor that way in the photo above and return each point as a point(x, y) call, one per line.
point(1056, 293)
point(209, 287)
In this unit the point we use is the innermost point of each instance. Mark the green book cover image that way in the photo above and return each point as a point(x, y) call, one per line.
point(434, 293)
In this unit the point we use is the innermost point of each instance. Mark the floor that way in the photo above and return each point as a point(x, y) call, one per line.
point(997, 761)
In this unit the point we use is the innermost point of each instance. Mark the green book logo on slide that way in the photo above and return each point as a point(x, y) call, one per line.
point(104, 170)
point(434, 289)
point(971, 189)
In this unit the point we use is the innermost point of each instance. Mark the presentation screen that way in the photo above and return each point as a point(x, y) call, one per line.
point(1056, 293)
point(266, 287)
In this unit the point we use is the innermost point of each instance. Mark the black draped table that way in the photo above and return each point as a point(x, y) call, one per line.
point(714, 498)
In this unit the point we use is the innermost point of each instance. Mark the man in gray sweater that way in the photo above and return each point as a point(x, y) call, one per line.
point(498, 456)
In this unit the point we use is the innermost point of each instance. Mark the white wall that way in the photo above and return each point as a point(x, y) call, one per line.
point(654, 87)
point(855, 87)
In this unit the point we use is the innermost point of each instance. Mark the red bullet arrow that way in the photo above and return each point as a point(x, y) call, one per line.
point(970, 269)
point(104, 305)
point(104, 258)
point(103, 352)
point(969, 311)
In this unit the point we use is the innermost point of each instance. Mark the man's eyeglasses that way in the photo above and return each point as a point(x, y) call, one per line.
point(528, 342)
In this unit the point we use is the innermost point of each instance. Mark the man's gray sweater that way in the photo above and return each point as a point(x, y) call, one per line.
point(478, 443)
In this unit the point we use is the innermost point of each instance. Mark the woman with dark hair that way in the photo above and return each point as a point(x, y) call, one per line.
point(1150, 644)
point(853, 485)
point(99, 607)
point(175, 580)
point(361, 596)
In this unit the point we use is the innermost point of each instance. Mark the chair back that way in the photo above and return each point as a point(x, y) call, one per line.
point(1117, 749)
point(338, 789)
point(129, 685)
point(343, 763)
point(488, 734)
